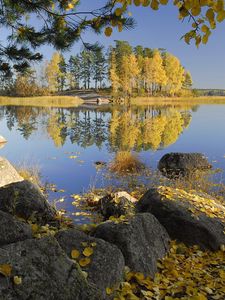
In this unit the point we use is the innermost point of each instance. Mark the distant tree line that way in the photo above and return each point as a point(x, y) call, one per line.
point(129, 71)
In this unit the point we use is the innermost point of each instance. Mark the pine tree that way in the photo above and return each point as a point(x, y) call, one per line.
point(86, 59)
point(75, 71)
point(99, 67)
point(62, 75)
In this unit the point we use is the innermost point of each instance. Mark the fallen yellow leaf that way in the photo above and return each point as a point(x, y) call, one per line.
point(75, 253)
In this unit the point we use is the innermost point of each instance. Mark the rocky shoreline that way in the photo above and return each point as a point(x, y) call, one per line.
point(43, 257)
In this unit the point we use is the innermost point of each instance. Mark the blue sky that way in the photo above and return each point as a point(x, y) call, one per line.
point(162, 29)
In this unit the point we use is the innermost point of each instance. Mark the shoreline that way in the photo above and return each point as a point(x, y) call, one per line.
point(42, 101)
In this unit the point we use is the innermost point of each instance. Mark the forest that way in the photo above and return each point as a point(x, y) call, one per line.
point(122, 70)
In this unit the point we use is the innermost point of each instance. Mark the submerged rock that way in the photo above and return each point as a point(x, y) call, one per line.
point(12, 230)
point(106, 262)
point(25, 200)
point(142, 240)
point(8, 173)
point(182, 164)
point(100, 164)
point(117, 204)
point(39, 269)
point(2, 140)
point(189, 217)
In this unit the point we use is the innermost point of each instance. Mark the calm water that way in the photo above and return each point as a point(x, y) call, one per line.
point(65, 143)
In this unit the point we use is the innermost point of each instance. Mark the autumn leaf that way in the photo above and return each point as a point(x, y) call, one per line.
point(17, 280)
point(88, 251)
point(83, 262)
point(5, 270)
point(75, 253)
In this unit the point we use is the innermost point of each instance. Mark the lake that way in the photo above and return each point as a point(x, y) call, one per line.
point(65, 143)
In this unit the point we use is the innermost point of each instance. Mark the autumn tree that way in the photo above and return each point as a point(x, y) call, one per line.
point(188, 82)
point(52, 72)
point(113, 76)
point(174, 72)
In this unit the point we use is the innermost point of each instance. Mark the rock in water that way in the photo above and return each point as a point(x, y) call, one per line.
point(13, 230)
point(182, 164)
point(8, 173)
point(24, 199)
point(189, 217)
point(38, 269)
point(106, 265)
point(2, 140)
point(142, 240)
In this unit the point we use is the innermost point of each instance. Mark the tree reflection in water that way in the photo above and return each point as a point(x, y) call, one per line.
point(119, 128)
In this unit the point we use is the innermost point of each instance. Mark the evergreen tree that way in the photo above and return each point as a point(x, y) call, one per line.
point(86, 64)
point(74, 71)
point(62, 75)
point(99, 67)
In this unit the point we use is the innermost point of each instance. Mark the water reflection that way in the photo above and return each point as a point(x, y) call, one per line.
point(127, 128)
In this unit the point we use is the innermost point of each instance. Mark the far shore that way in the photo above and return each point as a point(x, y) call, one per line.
point(75, 100)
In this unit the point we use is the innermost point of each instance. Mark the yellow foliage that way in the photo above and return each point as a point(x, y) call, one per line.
point(17, 280)
point(6, 270)
point(83, 262)
point(207, 12)
point(75, 253)
point(185, 273)
point(88, 251)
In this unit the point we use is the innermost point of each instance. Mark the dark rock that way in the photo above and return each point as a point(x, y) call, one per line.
point(180, 220)
point(115, 205)
point(182, 164)
point(25, 200)
point(8, 173)
point(100, 164)
point(45, 272)
point(13, 230)
point(107, 262)
point(142, 240)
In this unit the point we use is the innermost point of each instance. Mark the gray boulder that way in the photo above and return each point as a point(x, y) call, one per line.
point(13, 230)
point(142, 240)
point(183, 220)
point(25, 200)
point(116, 205)
point(182, 164)
point(8, 173)
point(44, 272)
point(107, 262)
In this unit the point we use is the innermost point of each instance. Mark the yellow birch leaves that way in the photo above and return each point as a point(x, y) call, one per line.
point(200, 12)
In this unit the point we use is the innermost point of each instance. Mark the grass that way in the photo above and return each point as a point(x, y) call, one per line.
point(125, 163)
point(31, 173)
point(178, 100)
point(44, 101)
